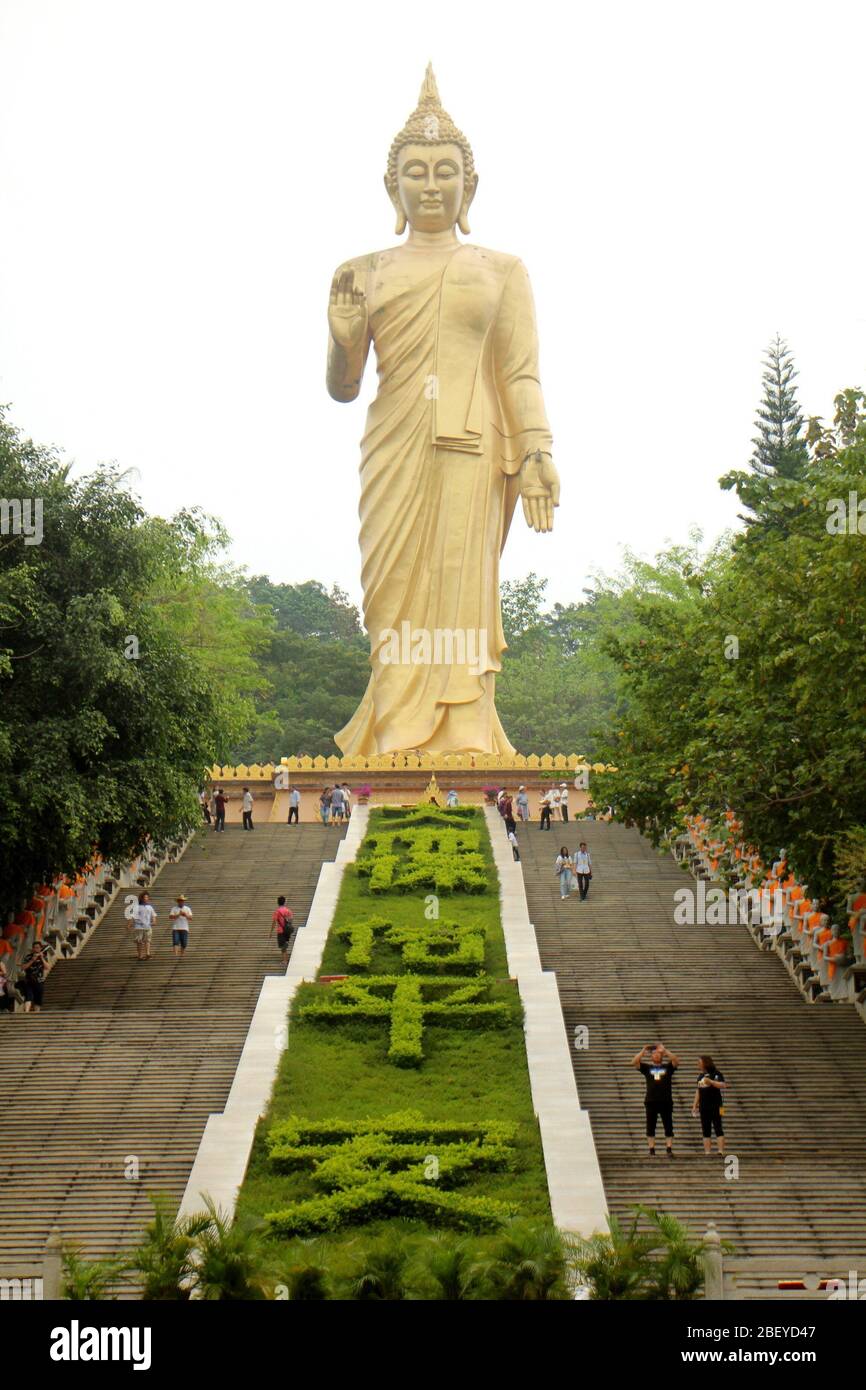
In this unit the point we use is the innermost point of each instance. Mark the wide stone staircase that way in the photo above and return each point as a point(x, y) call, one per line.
point(106, 1093)
point(796, 1107)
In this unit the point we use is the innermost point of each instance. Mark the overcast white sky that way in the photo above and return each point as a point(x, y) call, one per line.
point(179, 181)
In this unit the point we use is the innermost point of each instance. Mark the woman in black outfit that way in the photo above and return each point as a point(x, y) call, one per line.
point(708, 1104)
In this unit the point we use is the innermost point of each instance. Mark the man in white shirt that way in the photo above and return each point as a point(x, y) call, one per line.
point(583, 869)
point(142, 924)
point(181, 916)
point(563, 802)
point(247, 808)
point(294, 805)
point(553, 800)
point(347, 801)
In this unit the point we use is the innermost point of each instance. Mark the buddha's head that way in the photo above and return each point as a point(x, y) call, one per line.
point(431, 178)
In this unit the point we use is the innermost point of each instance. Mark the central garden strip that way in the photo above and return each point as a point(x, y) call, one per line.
point(404, 1092)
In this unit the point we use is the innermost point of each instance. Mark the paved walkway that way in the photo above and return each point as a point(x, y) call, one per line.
point(796, 1113)
point(107, 1091)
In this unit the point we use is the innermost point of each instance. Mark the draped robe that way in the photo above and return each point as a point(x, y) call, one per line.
point(458, 407)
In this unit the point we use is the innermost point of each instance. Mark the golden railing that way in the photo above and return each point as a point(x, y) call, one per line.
point(400, 762)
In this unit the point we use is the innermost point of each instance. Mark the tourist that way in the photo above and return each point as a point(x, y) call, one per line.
point(553, 797)
point(247, 808)
point(512, 840)
point(212, 804)
point(544, 803)
point(142, 924)
point(708, 1103)
point(563, 803)
point(451, 799)
point(7, 991)
point(325, 805)
point(294, 805)
point(34, 966)
point(565, 872)
point(522, 804)
point(347, 801)
point(281, 922)
point(657, 1066)
point(204, 803)
point(337, 805)
point(180, 918)
point(583, 869)
point(220, 809)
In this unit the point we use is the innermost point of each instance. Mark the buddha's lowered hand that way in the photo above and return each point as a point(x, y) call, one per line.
point(539, 488)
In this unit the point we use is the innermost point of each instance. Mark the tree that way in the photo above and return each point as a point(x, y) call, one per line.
point(781, 450)
point(313, 671)
point(747, 690)
point(126, 657)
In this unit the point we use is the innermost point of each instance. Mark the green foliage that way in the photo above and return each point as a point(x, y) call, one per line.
point(849, 853)
point(530, 1263)
point(361, 937)
point(389, 1197)
point(358, 1176)
point(449, 1267)
point(313, 673)
point(654, 1258)
point(164, 1257)
point(381, 1269)
point(229, 1257)
point(408, 1002)
point(102, 742)
point(411, 853)
point(86, 1281)
point(746, 690)
point(440, 945)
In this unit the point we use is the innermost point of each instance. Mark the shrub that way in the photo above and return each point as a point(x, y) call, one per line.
point(361, 937)
point(530, 1263)
point(413, 1002)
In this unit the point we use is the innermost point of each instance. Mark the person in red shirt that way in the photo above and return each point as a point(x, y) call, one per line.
point(281, 922)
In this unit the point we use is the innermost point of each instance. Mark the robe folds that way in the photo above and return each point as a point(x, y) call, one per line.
point(458, 407)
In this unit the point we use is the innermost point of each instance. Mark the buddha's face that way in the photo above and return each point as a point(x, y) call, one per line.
point(431, 186)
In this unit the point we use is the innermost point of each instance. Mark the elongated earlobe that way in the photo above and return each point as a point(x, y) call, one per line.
point(463, 219)
point(400, 225)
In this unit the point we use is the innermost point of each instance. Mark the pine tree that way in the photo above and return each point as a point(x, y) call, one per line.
point(780, 449)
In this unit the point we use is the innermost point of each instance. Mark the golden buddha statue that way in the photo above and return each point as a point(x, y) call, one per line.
point(456, 433)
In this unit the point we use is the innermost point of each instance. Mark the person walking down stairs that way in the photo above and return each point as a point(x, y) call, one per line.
point(247, 809)
point(142, 924)
point(180, 916)
point(583, 869)
point(565, 871)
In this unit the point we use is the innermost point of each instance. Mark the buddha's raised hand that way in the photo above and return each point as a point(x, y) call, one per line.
point(539, 488)
point(347, 311)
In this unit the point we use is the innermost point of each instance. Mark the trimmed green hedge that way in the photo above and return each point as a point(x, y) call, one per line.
point(410, 1002)
point(394, 1196)
point(314, 1175)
